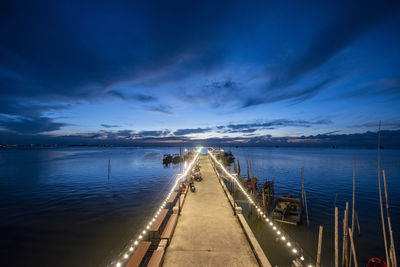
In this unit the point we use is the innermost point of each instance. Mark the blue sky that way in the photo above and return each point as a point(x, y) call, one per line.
point(174, 70)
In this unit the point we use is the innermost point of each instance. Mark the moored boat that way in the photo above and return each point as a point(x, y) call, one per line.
point(288, 209)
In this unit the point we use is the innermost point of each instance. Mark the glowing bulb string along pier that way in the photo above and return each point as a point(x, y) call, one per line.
point(280, 234)
point(124, 256)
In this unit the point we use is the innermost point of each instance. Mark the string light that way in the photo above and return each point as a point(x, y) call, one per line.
point(177, 180)
point(233, 177)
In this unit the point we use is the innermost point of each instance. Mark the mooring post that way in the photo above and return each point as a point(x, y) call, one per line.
point(336, 237)
point(352, 247)
point(179, 200)
point(392, 248)
point(345, 232)
point(305, 200)
point(318, 264)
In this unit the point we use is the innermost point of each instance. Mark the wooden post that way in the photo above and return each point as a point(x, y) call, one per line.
point(302, 185)
point(352, 210)
point(305, 200)
point(352, 247)
point(345, 233)
point(394, 259)
point(109, 168)
point(336, 237)
point(248, 170)
point(358, 224)
point(380, 193)
point(318, 264)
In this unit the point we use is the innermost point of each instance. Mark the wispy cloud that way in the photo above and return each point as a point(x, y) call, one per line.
point(109, 126)
point(181, 132)
point(166, 109)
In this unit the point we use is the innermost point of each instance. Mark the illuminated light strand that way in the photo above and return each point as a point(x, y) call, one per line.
point(269, 221)
point(129, 252)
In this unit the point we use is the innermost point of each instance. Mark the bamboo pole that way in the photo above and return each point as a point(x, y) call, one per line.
point(352, 210)
point(352, 247)
point(248, 170)
point(345, 237)
point(380, 193)
point(302, 185)
point(336, 237)
point(358, 224)
point(318, 264)
point(392, 247)
point(305, 200)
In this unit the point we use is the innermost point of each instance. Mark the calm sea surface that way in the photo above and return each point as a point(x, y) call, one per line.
point(58, 207)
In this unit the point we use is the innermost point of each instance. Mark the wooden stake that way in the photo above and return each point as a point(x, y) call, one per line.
point(336, 237)
point(318, 264)
point(352, 210)
point(345, 237)
point(248, 170)
point(352, 247)
point(302, 185)
point(380, 193)
point(305, 200)
point(394, 259)
point(109, 168)
point(358, 224)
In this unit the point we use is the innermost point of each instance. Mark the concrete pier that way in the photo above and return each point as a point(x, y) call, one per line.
point(207, 232)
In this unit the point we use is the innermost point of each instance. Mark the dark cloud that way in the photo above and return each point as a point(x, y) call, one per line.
point(135, 97)
point(216, 93)
point(350, 21)
point(166, 109)
point(249, 130)
point(79, 50)
point(180, 132)
point(375, 125)
point(296, 95)
point(152, 133)
point(382, 87)
point(30, 125)
point(109, 126)
point(274, 124)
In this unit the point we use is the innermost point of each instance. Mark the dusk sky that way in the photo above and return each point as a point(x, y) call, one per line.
point(179, 70)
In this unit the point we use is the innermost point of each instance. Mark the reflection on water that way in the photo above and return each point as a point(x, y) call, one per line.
point(58, 206)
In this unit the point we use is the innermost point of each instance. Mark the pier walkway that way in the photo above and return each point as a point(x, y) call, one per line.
point(207, 232)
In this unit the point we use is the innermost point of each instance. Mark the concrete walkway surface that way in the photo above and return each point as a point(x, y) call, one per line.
point(207, 232)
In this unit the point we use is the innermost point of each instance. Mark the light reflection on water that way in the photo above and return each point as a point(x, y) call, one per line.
point(58, 206)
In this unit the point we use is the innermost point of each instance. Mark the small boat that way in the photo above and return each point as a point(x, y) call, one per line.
point(376, 262)
point(288, 209)
point(176, 158)
point(167, 159)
